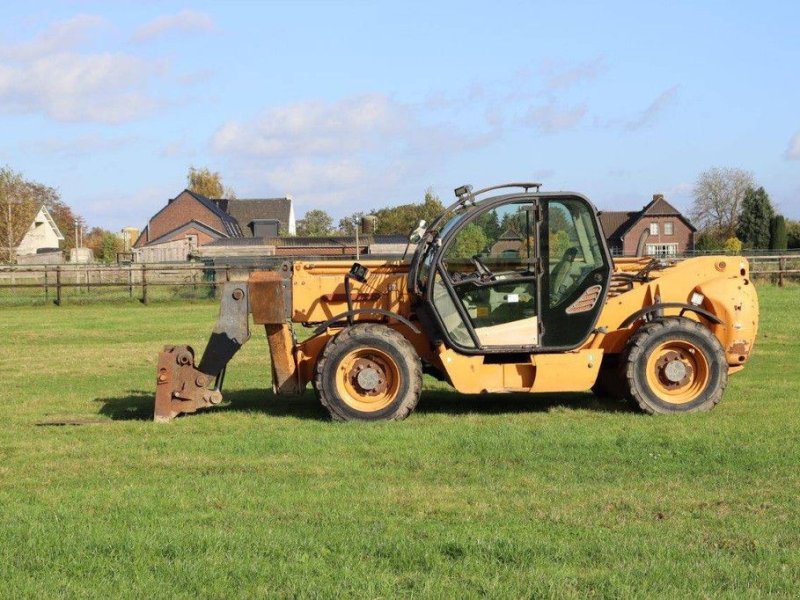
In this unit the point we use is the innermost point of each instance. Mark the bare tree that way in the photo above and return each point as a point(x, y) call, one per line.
point(718, 197)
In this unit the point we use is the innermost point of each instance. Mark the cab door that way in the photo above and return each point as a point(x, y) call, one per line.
point(577, 271)
point(485, 289)
point(520, 275)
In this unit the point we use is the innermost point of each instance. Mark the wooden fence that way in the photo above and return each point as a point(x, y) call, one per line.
point(65, 282)
point(60, 283)
point(777, 268)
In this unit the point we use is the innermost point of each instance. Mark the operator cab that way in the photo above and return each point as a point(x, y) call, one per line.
point(519, 272)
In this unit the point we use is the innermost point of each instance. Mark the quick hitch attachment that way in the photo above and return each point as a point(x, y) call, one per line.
point(182, 386)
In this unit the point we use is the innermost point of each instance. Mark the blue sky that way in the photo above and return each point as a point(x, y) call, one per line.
point(353, 105)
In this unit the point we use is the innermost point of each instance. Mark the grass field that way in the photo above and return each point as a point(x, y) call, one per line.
point(504, 496)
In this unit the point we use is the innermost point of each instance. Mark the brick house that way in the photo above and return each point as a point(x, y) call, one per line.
point(191, 220)
point(669, 232)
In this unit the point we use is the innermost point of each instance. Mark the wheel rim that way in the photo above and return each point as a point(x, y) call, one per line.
point(368, 379)
point(678, 371)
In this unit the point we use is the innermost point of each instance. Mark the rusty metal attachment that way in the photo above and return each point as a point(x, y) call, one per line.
point(180, 386)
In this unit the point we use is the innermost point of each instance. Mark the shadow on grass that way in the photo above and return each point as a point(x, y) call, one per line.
point(138, 404)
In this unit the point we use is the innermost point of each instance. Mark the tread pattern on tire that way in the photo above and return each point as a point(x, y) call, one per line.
point(354, 335)
point(636, 350)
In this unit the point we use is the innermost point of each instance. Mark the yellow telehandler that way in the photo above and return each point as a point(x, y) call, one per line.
point(514, 291)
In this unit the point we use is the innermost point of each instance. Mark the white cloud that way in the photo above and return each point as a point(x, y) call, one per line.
point(303, 175)
point(72, 87)
point(315, 128)
point(115, 209)
point(186, 21)
point(654, 110)
point(552, 119)
point(178, 148)
point(51, 74)
point(78, 146)
point(560, 78)
point(793, 149)
point(681, 190)
point(357, 147)
point(60, 36)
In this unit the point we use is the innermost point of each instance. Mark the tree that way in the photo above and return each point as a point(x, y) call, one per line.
point(718, 197)
point(20, 199)
point(104, 244)
point(468, 242)
point(559, 242)
point(315, 223)
point(17, 209)
point(347, 225)
point(777, 230)
point(489, 222)
point(793, 234)
point(753, 227)
point(708, 241)
point(732, 245)
point(207, 183)
point(404, 218)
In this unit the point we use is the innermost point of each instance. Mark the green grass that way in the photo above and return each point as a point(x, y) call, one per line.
point(504, 496)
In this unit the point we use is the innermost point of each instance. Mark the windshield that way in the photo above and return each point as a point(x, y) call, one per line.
point(452, 222)
point(429, 249)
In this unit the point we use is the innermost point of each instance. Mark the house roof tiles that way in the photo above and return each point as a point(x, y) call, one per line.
point(229, 222)
point(616, 223)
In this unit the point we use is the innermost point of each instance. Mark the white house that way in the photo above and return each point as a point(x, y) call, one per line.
point(43, 233)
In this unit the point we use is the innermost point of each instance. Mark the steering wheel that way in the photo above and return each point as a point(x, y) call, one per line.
point(560, 272)
point(483, 271)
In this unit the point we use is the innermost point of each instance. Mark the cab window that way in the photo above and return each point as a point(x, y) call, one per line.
point(490, 264)
point(573, 248)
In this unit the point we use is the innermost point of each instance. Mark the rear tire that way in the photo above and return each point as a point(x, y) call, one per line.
point(368, 372)
point(675, 365)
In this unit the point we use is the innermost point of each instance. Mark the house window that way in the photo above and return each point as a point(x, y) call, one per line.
point(662, 249)
point(192, 239)
point(668, 228)
point(653, 228)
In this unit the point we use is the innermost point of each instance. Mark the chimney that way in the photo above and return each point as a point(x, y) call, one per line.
point(657, 197)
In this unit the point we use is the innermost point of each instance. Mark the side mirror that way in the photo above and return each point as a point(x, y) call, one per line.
point(416, 235)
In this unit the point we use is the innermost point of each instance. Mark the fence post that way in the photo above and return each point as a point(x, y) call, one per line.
point(144, 284)
point(130, 280)
point(58, 285)
point(781, 269)
point(46, 289)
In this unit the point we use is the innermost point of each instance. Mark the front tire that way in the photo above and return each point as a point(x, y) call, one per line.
point(675, 365)
point(368, 372)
